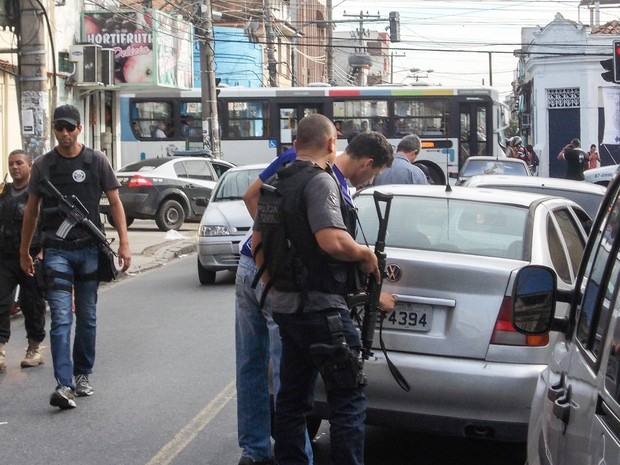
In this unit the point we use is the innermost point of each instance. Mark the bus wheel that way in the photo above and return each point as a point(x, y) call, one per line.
point(128, 220)
point(170, 215)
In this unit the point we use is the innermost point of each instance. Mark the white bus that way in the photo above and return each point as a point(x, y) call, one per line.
point(257, 124)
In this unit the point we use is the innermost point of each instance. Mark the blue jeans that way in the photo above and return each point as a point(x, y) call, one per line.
point(298, 375)
point(75, 269)
point(256, 339)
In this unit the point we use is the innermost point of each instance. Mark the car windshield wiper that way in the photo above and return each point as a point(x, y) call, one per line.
point(229, 197)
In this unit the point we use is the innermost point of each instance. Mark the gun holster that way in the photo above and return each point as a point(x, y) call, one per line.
point(39, 275)
point(339, 365)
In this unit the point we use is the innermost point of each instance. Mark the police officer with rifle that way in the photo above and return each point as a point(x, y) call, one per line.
point(303, 243)
point(13, 197)
point(72, 247)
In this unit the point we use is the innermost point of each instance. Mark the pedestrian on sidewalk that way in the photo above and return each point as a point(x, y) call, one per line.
point(71, 263)
point(13, 198)
point(576, 160)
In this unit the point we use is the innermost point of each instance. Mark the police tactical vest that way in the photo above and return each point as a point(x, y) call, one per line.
point(71, 176)
point(11, 220)
point(292, 257)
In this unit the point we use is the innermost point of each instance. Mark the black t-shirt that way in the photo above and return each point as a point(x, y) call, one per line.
point(575, 161)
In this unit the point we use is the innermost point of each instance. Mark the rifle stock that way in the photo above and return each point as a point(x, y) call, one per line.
point(75, 213)
point(373, 288)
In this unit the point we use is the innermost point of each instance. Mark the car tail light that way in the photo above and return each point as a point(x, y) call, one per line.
point(505, 333)
point(139, 181)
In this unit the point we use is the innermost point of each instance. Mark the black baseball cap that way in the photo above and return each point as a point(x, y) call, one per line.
point(67, 113)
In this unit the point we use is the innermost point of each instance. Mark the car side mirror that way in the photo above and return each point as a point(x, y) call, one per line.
point(453, 175)
point(202, 202)
point(534, 299)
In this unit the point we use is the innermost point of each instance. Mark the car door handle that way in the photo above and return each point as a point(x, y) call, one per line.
point(562, 406)
point(556, 390)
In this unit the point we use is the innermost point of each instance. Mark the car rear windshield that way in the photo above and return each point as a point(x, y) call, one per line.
point(493, 166)
point(589, 201)
point(488, 229)
point(234, 184)
point(144, 165)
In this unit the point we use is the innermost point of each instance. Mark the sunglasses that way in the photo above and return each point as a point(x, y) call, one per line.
point(62, 125)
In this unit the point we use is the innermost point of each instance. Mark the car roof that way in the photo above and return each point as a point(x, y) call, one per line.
point(499, 196)
point(256, 166)
point(158, 161)
point(491, 180)
point(502, 159)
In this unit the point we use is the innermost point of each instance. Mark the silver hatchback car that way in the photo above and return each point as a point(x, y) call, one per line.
point(451, 259)
point(224, 223)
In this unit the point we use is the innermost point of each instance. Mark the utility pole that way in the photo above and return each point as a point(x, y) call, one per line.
point(33, 94)
point(208, 87)
point(330, 40)
point(392, 56)
point(361, 61)
point(271, 60)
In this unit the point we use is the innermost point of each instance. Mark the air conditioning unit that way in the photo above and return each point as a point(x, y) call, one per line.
point(107, 66)
point(87, 64)
point(94, 65)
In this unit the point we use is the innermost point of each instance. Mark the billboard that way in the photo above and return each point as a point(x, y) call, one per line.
point(150, 47)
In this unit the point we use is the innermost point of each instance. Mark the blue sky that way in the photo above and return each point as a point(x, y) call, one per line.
point(430, 28)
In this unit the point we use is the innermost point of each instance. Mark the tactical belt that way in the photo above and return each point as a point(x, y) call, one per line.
point(65, 244)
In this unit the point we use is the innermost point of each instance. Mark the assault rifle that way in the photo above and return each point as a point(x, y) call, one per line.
point(75, 213)
point(373, 288)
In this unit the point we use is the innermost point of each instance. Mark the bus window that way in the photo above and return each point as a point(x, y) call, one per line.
point(288, 125)
point(481, 120)
point(248, 120)
point(148, 117)
point(419, 116)
point(362, 115)
point(191, 120)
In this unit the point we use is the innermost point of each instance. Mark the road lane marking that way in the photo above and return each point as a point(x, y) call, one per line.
point(181, 440)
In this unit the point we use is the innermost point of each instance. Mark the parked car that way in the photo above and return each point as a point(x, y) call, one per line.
point(224, 223)
point(575, 414)
point(451, 259)
point(487, 165)
point(600, 175)
point(586, 195)
point(169, 190)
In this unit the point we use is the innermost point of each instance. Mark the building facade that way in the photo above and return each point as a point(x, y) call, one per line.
point(561, 94)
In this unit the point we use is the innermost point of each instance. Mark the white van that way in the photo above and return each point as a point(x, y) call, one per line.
point(575, 415)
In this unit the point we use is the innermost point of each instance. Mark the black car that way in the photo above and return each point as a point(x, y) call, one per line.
point(169, 190)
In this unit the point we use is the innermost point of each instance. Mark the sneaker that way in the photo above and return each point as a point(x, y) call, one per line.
point(82, 386)
point(63, 398)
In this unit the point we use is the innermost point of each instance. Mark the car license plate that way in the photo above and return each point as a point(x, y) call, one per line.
point(409, 316)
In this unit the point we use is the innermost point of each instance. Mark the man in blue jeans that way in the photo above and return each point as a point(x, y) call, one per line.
point(71, 263)
point(364, 157)
point(256, 340)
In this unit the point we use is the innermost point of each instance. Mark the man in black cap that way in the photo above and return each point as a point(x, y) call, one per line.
point(71, 263)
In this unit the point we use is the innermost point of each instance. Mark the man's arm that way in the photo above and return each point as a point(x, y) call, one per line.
point(118, 216)
point(31, 215)
point(339, 244)
point(251, 196)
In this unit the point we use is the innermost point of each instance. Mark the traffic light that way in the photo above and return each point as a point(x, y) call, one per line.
point(612, 65)
point(617, 61)
point(217, 84)
point(608, 66)
point(394, 26)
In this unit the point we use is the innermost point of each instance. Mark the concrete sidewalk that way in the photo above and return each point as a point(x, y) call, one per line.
point(151, 248)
